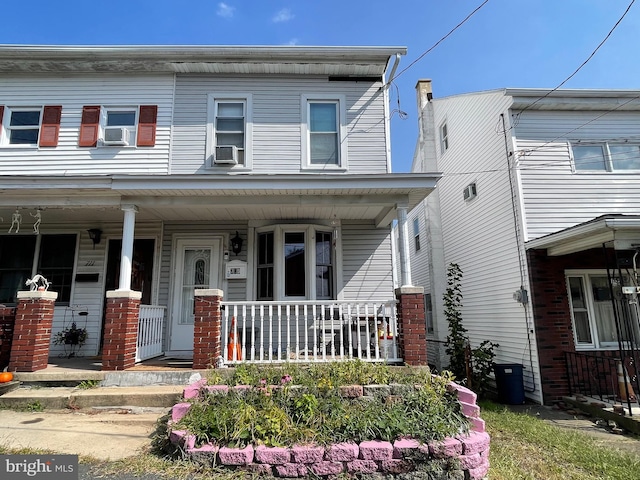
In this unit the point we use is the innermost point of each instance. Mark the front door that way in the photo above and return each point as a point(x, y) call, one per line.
point(197, 266)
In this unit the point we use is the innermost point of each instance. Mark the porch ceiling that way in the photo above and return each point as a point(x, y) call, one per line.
point(619, 231)
point(207, 198)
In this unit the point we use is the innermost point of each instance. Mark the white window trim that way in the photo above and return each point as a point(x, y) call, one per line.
point(606, 152)
point(305, 101)
point(6, 128)
point(245, 98)
point(595, 344)
point(310, 254)
point(133, 129)
point(416, 235)
point(444, 139)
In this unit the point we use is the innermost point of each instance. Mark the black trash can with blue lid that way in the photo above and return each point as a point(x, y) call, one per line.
point(510, 383)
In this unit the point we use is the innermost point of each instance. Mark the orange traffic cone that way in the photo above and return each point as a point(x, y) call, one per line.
point(624, 385)
point(234, 349)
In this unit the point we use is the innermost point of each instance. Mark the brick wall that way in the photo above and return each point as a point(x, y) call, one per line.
point(206, 328)
point(122, 314)
point(412, 325)
point(32, 331)
point(552, 314)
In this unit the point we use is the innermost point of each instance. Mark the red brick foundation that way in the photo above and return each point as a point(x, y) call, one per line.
point(121, 330)
point(412, 325)
point(207, 345)
point(32, 331)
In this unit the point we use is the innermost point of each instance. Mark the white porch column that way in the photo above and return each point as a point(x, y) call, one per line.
point(403, 247)
point(128, 226)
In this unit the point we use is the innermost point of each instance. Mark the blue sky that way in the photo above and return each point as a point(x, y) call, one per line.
point(508, 43)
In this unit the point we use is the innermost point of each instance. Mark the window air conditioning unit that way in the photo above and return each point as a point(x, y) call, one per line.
point(116, 136)
point(469, 192)
point(226, 155)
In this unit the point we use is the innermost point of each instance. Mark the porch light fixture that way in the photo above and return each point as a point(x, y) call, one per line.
point(236, 244)
point(94, 235)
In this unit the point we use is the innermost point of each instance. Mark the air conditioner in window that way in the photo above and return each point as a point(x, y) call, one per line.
point(226, 155)
point(469, 192)
point(116, 136)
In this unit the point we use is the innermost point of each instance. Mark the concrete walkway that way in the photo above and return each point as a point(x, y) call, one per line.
point(106, 435)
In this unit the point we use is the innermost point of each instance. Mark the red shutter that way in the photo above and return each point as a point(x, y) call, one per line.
point(1, 115)
point(50, 126)
point(89, 127)
point(147, 125)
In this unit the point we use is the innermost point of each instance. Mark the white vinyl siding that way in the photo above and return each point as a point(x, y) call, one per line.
point(277, 121)
point(73, 93)
point(480, 236)
point(366, 262)
point(557, 197)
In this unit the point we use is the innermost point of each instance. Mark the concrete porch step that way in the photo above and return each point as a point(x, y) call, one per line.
point(59, 398)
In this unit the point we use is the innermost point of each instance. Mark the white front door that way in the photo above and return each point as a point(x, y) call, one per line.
point(197, 263)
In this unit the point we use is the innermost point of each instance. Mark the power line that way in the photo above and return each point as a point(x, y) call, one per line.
point(440, 41)
point(583, 63)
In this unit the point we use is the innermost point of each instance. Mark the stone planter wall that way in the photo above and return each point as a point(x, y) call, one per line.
point(465, 457)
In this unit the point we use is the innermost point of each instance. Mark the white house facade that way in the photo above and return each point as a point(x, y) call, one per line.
point(263, 172)
point(537, 204)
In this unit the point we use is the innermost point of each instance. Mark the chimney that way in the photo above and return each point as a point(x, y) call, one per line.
point(425, 94)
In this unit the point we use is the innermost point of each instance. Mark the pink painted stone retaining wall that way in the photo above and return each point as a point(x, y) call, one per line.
point(467, 454)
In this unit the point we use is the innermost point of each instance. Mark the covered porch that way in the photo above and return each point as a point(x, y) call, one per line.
point(324, 292)
point(585, 282)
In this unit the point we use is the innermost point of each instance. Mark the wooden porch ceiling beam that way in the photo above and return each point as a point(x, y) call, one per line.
point(385, 217)
point(270, 200)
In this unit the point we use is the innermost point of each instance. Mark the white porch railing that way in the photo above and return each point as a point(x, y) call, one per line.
point(150, 332)
point(309, 331)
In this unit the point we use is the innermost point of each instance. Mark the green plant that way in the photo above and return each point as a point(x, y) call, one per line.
point(456, 341)
point(482, 365)
point(89, 384)
point(34, 406)
point(71, 336)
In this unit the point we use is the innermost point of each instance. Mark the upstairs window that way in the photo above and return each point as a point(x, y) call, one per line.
point(444, 138)
point(606, 156)
point(229, 131)
point(118, 126)
point(30, 126)
point(416, 234)
point(324, 137)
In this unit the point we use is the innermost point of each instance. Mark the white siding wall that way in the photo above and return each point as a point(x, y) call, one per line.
point(479, 235)
point(276, 121)
point(419, 258)
point(366, 262)
point(74, 92)
point(90, 296)
point(556, 198)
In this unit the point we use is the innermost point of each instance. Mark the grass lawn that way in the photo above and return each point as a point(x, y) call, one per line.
point(524, 447)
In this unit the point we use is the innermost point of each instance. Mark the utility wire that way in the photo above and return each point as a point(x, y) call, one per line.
point(583, 63)
point(440, 41)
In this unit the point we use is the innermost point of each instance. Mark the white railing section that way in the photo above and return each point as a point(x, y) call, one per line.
point(309, 331)
point(150, 332)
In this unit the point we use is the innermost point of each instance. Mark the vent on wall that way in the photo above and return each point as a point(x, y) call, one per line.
point(470, 192)
point(116, 136)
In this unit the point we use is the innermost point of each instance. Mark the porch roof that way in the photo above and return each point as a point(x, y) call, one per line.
point(234, 197)
point(622, 232)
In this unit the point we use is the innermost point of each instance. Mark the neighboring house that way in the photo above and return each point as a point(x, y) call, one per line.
point(264, 172)
point(538, 204)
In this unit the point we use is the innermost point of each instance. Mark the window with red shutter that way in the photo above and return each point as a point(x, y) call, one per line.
point(147, 121)
point(50, 126)
point(89, 126)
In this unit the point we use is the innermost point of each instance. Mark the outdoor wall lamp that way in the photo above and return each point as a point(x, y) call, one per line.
point(236, 244)
point(94, 235)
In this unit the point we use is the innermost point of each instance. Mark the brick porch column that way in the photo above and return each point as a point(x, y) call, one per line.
point(412, 325)
point(207, 345)
point(32, 331)
point(121, 329)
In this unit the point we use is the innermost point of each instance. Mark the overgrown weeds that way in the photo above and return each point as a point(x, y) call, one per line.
point(290, 404)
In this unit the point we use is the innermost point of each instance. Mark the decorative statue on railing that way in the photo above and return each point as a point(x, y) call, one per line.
point(38, 282)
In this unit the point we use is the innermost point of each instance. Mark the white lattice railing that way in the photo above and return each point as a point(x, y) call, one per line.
point(150, 332)
point(309, 331)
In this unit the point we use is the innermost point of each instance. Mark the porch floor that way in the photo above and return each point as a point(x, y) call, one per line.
point(598, 408)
